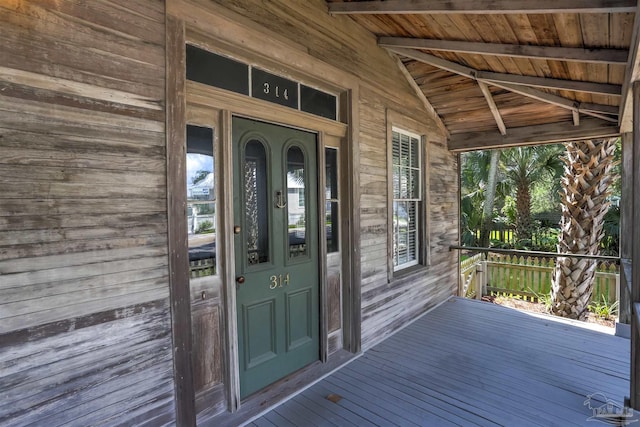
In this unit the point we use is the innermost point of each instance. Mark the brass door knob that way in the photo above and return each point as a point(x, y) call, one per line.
point(240, 279)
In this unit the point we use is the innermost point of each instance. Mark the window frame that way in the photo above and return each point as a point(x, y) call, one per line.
point(397, 122)
point(417, 200)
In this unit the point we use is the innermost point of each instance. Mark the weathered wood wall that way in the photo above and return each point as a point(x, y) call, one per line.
point(84, 310)
point(338, 42)
point(85, 327)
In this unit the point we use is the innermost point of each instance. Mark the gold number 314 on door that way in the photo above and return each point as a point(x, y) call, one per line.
point(277, 281)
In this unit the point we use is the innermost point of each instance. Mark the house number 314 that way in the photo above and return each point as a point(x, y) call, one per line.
point(277, 281)
point(276, 90)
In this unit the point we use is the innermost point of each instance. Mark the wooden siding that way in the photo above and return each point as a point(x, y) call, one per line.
point(83, 207)
point(335, 40)
point(84, 313)
point(390, 300)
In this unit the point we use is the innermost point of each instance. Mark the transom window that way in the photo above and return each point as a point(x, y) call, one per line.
point(407, 196)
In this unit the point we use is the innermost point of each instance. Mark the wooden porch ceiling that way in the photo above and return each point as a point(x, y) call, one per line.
point(506, 72)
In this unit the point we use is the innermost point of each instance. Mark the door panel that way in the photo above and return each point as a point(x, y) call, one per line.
point(260, 332)
point(275, 208)
point(299, 321)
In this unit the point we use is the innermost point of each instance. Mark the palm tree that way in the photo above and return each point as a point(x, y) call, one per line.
point(523, 166)
point(479, 174)
point(585, 191)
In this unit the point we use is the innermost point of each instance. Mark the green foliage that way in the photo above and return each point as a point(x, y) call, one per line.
point(603, 309)
point(205, 227)
point(544, 299)
point(610, 244)
point(541, 168)
point(545, 196)
point(471, 217)
point(509, 210)
point(616, 170)
point(199, 176)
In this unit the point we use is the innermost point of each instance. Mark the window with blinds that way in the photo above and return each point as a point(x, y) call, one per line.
point(407, 196)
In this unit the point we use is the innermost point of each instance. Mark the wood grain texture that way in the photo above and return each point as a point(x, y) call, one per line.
point(84, 313)
point(52, 372)
point(421, 376)
point(529, 48)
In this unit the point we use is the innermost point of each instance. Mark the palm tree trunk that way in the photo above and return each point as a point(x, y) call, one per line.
point(585, 188)
point(523, 210)
point(490, 198)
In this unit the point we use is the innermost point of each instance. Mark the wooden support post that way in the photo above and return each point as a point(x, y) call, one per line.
point(635, 253)
point(478, 281)
point(177, 227)
point(485, 275)
point(626, 222)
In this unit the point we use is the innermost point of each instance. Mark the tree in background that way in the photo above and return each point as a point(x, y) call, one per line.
point(523, 166)
point(585, 191)
point(479, 181)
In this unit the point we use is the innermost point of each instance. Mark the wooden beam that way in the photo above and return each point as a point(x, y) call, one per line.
point(595, 110)
point(632, 74)
point(530, 135)
point(420, 94)
point(572, 54)
point(634, 233)
point(626, 225)
point(550, 83)
point(482, 7)
point(488, 76)
point(493, 107)
point(576, 118)
point(453, 67)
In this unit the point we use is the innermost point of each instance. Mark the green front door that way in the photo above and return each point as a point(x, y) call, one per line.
point(276, 251)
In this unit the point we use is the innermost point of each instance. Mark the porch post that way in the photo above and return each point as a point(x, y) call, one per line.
point(635, 254)
point(626, 223)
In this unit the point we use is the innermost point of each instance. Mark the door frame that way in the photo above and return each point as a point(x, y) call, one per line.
point(216, 29)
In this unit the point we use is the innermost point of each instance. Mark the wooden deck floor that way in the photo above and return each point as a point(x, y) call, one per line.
point(469, 363)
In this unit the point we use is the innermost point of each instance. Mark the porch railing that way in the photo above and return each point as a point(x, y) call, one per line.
point(527, 274)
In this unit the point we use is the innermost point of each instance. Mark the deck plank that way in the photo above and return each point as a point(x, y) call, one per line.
point(470, 363)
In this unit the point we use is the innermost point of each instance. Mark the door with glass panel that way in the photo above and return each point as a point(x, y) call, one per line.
point(276, 251)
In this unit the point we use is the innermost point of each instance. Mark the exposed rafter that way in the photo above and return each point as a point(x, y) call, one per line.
point(529, 135)
point(594, 110)
point(493, 107)
point(488, 76)
point(588, 109)
point(606, 56)
point(420, 94)
point(482, 6)
point(549, 83)
point(632, 74)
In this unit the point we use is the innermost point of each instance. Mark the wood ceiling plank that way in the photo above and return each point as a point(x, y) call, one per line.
point(466, 30)
point(481, 6)
point(529, 135)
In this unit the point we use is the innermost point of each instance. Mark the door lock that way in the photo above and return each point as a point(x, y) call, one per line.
point(240, 279)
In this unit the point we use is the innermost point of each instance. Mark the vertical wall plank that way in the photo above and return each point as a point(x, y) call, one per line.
point(177, 227)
